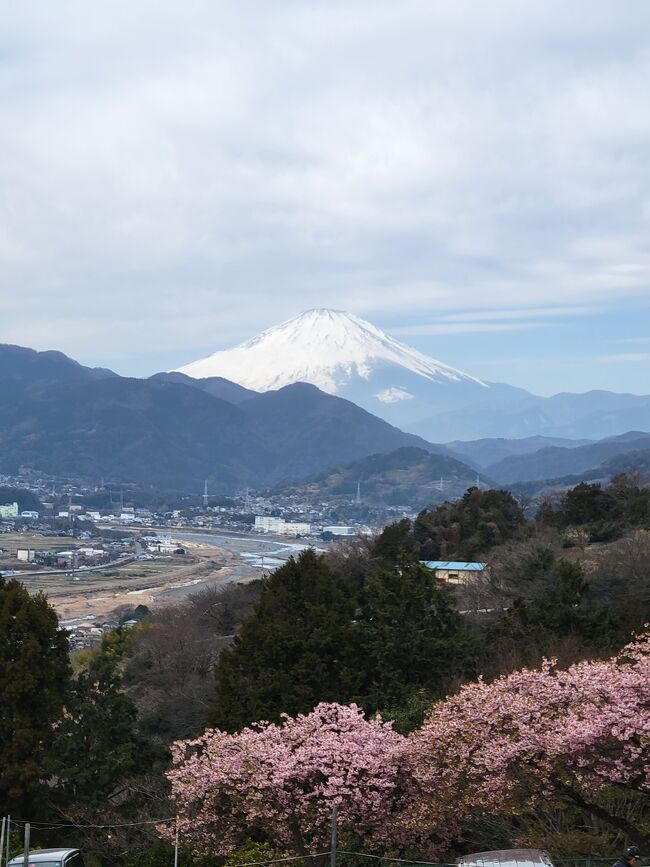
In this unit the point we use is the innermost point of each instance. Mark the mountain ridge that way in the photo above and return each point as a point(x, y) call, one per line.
point(62, 418)
point(352, 358)
point(348, 356)
point(350, 346)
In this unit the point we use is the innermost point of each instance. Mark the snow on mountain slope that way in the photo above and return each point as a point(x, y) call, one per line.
point(329, 349)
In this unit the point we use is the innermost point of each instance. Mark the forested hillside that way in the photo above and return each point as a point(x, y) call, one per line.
point(365, 629)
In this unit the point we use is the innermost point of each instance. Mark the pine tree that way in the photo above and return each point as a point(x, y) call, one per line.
point(34, 677)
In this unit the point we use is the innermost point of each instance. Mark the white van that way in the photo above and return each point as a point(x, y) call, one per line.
point(507, 858)
point(50, 858)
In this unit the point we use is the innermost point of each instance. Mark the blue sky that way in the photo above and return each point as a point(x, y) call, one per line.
point(472, 178)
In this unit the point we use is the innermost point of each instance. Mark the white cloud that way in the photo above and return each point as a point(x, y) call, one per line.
point(425, 328)
point(180, 175)
point(627, 356)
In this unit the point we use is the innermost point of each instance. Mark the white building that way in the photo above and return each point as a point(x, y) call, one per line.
point(162, 544)
point(268, 524)
point(29, 513)
point(9, 510)
point(338, 530)
point(25, 554)
point(296, 528)
point(273, 524)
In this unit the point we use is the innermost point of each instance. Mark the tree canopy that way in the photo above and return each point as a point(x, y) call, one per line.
point(295, 649)
point(569, 736)
point(279, 783)
point(34, 680)
point(466, 529)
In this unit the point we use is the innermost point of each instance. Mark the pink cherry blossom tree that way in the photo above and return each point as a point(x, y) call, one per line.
point(566, 736)
point(282, 781)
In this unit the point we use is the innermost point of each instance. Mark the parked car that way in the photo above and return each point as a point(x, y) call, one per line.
point(50, 858)
point(507, 858)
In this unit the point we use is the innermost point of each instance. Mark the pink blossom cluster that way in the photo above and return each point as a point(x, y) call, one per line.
point(533, 734)
point(493, 747)
point(285, 779)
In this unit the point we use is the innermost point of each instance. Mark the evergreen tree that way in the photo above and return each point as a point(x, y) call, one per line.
point(416, 644)
point(468, 528)
point(98, 745)
point(34, 676)
point(294, 651)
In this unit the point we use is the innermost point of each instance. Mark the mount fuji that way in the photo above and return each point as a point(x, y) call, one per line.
point(349, 357)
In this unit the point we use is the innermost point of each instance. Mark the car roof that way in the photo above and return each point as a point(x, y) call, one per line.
point(507, 858)
point(43, 855)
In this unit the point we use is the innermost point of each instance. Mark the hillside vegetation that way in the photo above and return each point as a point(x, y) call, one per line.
point(406, 475)
point(366, 626)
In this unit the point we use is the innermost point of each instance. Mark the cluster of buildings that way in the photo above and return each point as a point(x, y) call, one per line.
point(10, 511)
point(82, 505)
point(88, 633)
point(77, 558)
point(16, 559)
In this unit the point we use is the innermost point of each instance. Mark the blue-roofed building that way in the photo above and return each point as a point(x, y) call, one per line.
point(454, 571)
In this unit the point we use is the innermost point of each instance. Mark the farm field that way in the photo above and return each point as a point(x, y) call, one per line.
point(162, 580)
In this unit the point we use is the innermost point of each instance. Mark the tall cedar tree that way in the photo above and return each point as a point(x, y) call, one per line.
point(293, 652)
point(99, 746)
point(416, 644)
point(34, 678)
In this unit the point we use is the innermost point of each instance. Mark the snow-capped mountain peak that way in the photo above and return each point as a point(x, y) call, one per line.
point(328, 348)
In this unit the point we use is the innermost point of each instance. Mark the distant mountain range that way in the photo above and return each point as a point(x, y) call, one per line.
point(173, 431)
point(483, 453)
point(347, 356)
point(65, 419)
point(592, 415)
point(555, 461)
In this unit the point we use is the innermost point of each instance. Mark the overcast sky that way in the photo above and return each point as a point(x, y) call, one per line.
point(471, 177)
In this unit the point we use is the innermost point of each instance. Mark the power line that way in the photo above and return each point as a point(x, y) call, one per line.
point(46, 825)
point(394, 860)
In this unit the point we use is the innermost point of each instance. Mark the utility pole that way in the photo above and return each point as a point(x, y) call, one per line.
point(7, 843)
point(2, 839)
point(333, 839)
point(26, 853)
point(176, 845)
